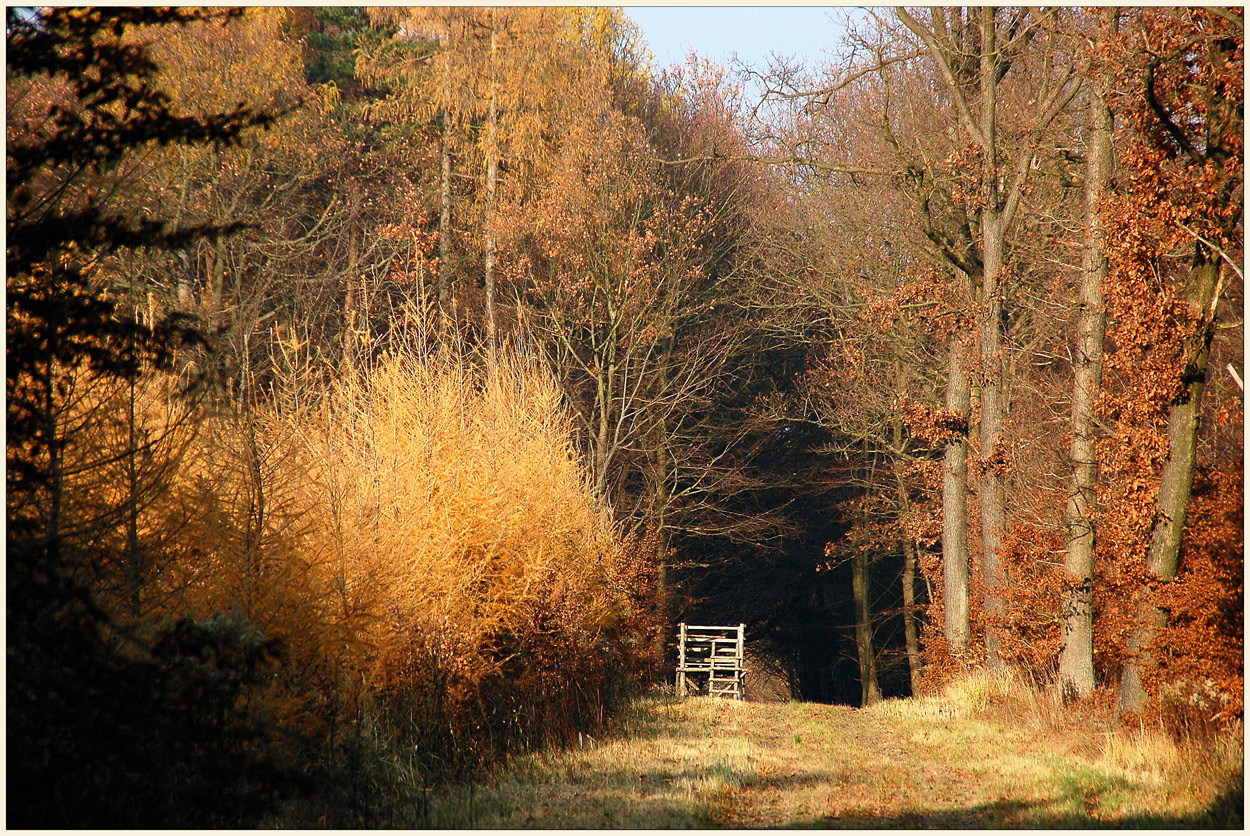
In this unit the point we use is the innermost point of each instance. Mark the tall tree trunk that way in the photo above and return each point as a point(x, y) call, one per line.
point(185, 281)
point(603, 404)
point(1220, 149)
point(908, 546)
point(955, 568)
point(860, 588)
point(217, 271)
point(993, 493)
point(1176, 481)
point(1000, 195)
point(1178, 471)
point(444, 228)
point(444, 205)
point(351, 301)
point(660, 500)
point(660, 493)
point(1076, 656)
point(911, 633)
point(492, 175)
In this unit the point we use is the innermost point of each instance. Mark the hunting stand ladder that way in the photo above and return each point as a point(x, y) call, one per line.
point(716, 654)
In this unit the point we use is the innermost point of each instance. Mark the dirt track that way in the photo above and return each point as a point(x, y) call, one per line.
point(715, 763)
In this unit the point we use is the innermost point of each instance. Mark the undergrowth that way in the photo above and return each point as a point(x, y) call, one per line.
point(387, 583)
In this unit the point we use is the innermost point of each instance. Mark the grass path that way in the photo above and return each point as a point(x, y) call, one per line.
point(977, 757)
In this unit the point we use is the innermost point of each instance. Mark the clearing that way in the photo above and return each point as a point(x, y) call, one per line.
point(983, 754)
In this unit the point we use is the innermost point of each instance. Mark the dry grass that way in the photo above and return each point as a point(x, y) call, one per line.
point(987, 752)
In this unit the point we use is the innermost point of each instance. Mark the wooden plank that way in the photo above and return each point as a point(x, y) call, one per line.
point(681, 671)
point(690, 667)
point(714, 650)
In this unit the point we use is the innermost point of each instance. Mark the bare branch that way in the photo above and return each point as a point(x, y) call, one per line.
point(1062, 95)
point(1228, 15)
point(1215, 248)
point(1236, 378)
point(939, 57)
point(825, 92)
point(1166, 121)
point(793, 159)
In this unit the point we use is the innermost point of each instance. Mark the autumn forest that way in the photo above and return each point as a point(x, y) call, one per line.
point(385, 385)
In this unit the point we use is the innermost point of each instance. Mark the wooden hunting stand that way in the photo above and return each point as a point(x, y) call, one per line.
point(717, 653)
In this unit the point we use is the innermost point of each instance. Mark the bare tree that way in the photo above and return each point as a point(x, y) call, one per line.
point(1076, 660)
point(975, 98)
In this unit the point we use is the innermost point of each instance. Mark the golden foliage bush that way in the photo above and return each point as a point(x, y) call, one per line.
point(419, 551)
point(508, 606)
point(453, 490)
point(426, 544)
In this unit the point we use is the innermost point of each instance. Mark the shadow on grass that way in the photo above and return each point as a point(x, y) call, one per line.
point(682, 795)
point(615, 798)
point(652, 717)
point(1226, 813)
point(631, 799)
point(592, 810)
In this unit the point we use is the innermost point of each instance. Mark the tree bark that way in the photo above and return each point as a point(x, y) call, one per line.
point(1000, 197)
point(955, 569)
point(1076, 656)
point(217, 271)
point(351, 302)
point(492, 175)
point(1224, 125)
point(911, 633)
point(860, 588)
point(993, 492)
point(1178, 471)
point(444, 207)
point(660, 494)
point(1176, 481)
point(603, 401)
point(185, 285)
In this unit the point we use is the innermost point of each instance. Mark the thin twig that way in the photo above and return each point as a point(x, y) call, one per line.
point(1216, 248)
point(1236, 377)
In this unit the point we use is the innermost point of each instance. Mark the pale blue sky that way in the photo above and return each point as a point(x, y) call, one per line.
point(717, 32)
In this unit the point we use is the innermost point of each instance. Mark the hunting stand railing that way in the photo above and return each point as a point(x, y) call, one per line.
point(715, 655)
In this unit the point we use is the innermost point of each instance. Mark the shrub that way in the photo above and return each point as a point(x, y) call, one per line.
point(415, 566)
point(511, 609)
